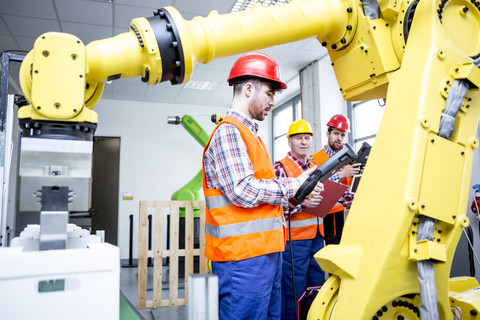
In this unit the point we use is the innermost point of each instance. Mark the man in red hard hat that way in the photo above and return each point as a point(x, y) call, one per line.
point(338, 126)
point(244, 229)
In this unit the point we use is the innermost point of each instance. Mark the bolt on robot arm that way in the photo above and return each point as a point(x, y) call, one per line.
point(409, 52)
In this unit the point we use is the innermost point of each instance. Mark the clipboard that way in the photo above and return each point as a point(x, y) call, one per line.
point(332, 193)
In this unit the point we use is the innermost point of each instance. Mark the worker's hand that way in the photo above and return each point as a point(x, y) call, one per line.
point(313, 201)
point(301, 178)
point(314, 198)
point(350, 170)
point(318, 188)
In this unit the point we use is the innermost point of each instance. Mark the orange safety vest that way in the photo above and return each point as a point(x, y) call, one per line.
point(234, 233)
point(303, 225)
point(319, 158)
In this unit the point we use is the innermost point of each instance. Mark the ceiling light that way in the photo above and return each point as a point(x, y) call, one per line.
point(201, 85)
point(242, 5)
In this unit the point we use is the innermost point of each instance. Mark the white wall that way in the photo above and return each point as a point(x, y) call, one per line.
point(321, 98)
point(156, 158)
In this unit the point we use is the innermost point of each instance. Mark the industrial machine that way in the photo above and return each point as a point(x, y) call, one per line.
point(398, 243)
point(192, 190)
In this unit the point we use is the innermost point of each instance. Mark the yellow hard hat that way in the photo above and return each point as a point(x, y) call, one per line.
point(299, 126)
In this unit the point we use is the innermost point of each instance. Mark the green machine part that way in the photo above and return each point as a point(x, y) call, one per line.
point(195, 129)
point(192, 190)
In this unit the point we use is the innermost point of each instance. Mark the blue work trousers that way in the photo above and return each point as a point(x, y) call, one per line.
point(250, 288)
point(306, 270)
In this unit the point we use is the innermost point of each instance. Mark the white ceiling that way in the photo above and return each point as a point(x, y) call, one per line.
point(22, 21)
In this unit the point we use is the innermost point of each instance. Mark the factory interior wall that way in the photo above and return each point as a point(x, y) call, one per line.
point(156, 158)
point(331, 100)
point(321, 98)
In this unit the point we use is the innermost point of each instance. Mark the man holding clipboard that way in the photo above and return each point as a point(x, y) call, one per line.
point(333, 222)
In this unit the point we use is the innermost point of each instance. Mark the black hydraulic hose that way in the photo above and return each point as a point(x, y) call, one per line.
point(470, 251)
point(293, 270)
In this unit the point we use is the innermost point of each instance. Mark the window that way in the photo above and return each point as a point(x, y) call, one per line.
point(367, 116)
point(283, 116)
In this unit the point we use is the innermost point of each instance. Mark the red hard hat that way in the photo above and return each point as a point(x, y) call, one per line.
point(340, 122)
point(256, 64)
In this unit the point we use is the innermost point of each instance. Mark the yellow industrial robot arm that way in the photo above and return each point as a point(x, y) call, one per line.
point(164, 47)
point(410, 208)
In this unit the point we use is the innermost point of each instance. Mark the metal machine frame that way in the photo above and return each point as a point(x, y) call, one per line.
point(6, 231)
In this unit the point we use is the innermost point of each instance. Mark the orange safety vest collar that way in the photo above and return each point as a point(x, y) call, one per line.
point(303, 226)
point(234, 233)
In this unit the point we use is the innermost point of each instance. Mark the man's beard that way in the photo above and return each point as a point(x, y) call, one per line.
point(334, 147)
point(259, 116)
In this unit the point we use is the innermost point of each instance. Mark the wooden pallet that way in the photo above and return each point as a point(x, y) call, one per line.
point(158, 253)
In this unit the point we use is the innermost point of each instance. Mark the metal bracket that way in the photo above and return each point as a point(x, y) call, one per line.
point(425, 249)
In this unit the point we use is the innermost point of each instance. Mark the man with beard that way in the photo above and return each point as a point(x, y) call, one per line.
point(244, 229)
point(333, 222)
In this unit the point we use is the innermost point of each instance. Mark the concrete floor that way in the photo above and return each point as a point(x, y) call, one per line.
point(128, 287)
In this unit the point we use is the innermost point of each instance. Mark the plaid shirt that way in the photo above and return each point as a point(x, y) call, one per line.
point(347, 197)
point(280, 173)
point(229, 169)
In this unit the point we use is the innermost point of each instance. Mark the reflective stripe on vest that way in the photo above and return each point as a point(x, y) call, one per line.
point(303, 225)
point(217, 202)
point(235, 233)
point(238, 229)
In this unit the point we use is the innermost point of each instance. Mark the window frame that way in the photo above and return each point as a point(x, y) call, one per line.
point(296, 104)
point(357, 141)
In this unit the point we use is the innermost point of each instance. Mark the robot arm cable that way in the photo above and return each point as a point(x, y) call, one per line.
point(471, 252)
point(426, 272)
point(371, 9)
point(453, 104)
